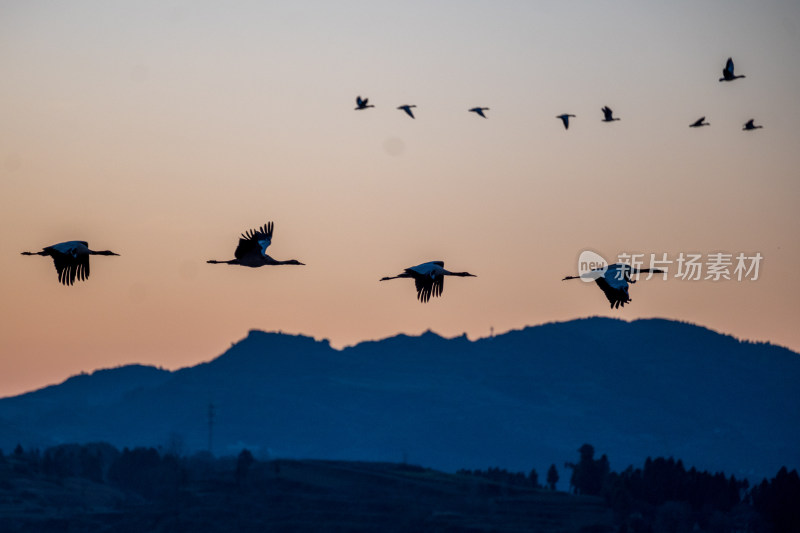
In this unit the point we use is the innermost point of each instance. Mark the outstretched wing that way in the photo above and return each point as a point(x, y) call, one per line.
point(616, 295)
point(255, 241)
point(428, 286)
point(424, 287)
point(614, 284)
point(438, 286)
point(69, 265)
point(428, 278)
point(729, 66)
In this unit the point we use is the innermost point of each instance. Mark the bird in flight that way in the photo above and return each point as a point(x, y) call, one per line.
point(361, 103)
point(699, 122)
point(565, 119)
point(608, 114)
point(479, 110)
point(614, 280)
point(727, 72)
point(429, 278)
point(750, 126)
point(252, 250)
point(407, 109)
point(71, 259)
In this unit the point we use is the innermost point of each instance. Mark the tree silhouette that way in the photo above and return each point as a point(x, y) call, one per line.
point(243, 464)
point(552, 477)
point(144, 471)
point(778, 500)
point(533, 477)
point(589, 474)
point(91, 463)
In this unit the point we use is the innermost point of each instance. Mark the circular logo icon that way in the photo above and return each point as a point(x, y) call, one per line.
point(591, 266)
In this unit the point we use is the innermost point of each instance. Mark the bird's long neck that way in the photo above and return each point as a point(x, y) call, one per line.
point(34, 253)
point(403, 275)
point(231, 262)
point(461, 274)
point(101, 252)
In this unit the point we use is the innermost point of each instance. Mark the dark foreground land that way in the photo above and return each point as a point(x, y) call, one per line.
point(95, 487)
point(319, 496)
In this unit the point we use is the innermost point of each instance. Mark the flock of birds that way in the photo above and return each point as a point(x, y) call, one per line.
point(71, 258)
point(608, 114)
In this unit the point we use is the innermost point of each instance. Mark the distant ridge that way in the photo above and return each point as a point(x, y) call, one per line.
point(524, 399)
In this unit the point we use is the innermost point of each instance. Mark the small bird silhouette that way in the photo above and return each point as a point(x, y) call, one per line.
point(614, 280)
point(252, 250)
point(608, 114)
point(699, 122)
point(71, 259)
point(361, 103)
point(750, 126)
point(565, 119)
point(428, 278)
point(727, 72)
point(407, 109)
point(479, 110)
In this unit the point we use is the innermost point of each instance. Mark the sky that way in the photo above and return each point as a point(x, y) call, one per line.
point(162, 130)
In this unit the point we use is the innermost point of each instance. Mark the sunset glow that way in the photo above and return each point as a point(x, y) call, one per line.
point(163, 130)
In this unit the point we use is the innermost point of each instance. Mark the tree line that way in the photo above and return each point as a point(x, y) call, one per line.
point(661, 496)
point(664, 495)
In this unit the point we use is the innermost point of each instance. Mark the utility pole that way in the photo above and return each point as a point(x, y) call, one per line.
point(211, 413)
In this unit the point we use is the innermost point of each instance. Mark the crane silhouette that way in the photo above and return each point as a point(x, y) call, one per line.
point(252, 250)
point(479, 110)
point(71, 259)
point(699, 122)
point(608, 114)
point(361, 103)
point(428, 278)
point(407, 109)
point(613, 281)
point(565, 119)
point(748, 126)
point(727, 72)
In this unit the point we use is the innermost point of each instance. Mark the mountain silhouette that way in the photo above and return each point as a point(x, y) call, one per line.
point(527, 398)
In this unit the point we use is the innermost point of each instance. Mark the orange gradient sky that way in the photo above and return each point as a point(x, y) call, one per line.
point(162, 130)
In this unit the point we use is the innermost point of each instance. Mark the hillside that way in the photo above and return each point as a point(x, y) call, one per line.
point(528, 398)
point(294, 496)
